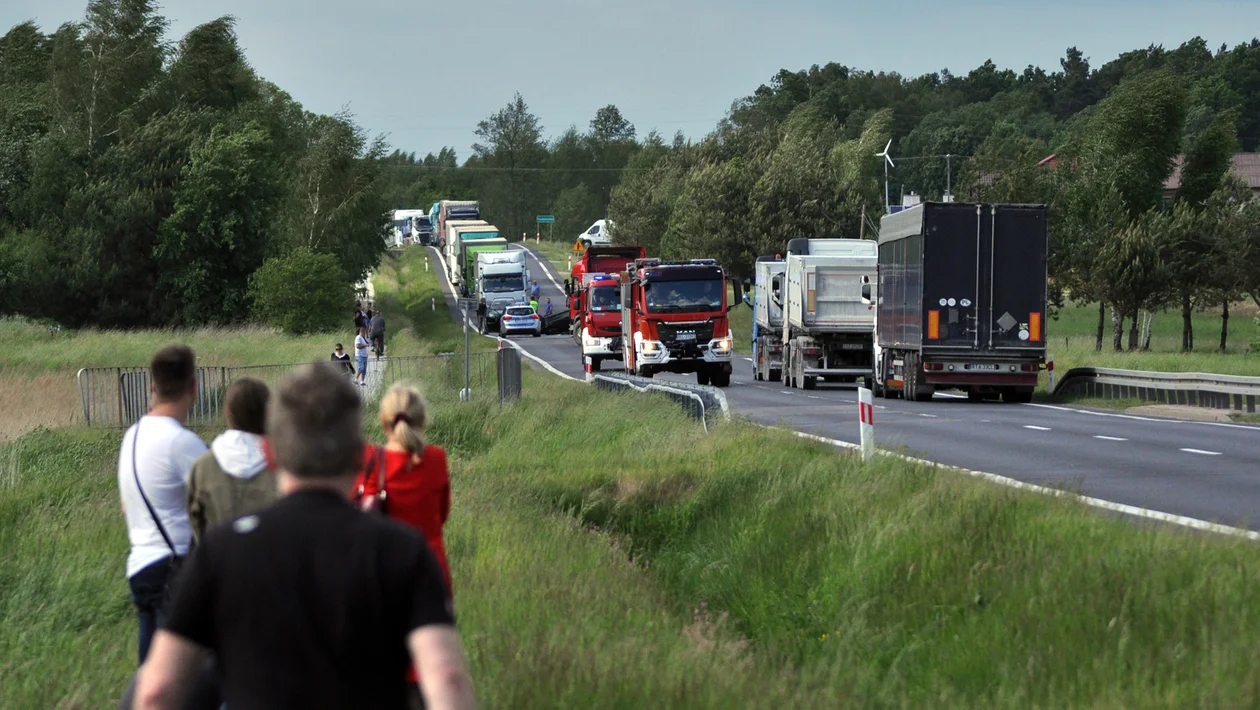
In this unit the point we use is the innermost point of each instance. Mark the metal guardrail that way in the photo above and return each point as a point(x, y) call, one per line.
point(1194, 389)
point(115, 397)
point(700, 401)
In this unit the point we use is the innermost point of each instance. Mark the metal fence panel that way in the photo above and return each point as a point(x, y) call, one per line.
point(115, 397)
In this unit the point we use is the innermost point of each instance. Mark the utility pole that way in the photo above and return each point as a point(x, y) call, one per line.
point(948, 175)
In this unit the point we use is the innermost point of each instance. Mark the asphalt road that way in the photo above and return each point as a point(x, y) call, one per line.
point(1203, 470)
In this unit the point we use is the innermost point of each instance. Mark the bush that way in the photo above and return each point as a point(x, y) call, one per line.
point(302, 292)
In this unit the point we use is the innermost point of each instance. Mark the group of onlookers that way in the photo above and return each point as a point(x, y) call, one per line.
point(288, 564)
point(369, 334)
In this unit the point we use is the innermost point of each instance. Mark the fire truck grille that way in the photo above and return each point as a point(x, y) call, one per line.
point(680, 334)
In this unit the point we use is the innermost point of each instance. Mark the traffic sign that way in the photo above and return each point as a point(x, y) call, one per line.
point(577, 246)
point(546, 218)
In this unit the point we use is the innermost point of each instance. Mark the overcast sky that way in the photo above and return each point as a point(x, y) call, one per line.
point(424, 73)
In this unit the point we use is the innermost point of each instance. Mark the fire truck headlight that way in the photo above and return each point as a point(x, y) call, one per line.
point(587, 340)
point(651, 346)
point(723, 345)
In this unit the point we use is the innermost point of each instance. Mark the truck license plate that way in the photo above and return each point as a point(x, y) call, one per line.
point(982, 367)
point(852, 346)
point(686, 337)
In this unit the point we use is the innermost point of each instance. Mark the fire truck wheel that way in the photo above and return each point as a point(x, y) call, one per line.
point(721, 379)
point(702, 378)
point(776, 375)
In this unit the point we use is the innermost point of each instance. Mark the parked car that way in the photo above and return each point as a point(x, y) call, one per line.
point(597, 235)
point(519, 320)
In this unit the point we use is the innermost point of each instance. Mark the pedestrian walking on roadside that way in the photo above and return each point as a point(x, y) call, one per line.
point(360, 317)
point(310, 603)
point(154, 462)
point(548, 309)
point(233, 479)
point(361, 346)
point(378, 333)
point(342, 359)
point(407, 478)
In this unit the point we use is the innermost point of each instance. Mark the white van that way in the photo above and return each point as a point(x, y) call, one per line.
point(597, 235)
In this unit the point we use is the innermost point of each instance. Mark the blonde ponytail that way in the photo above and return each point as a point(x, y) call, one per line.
point(405, 415)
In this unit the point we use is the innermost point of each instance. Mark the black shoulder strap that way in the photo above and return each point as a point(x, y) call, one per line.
point(152, 513)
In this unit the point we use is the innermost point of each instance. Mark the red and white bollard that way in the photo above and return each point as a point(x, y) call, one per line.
point(1050, 371)
point(866, 417)
point(570, 263)
point(524, 236)
point(590, 371)
point(426, 263)
point(537, 237)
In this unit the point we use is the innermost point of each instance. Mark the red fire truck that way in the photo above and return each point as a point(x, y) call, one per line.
point(674, 319)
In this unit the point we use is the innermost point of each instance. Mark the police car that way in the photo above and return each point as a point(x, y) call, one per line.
point(518, 320)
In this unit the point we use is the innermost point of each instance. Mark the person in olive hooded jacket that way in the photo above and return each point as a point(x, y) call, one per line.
point(232, 478)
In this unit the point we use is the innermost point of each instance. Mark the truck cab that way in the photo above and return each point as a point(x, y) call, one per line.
point(598, 323)
point(502, 280)
point(674, 319)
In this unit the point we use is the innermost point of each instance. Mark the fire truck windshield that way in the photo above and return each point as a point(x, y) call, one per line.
point(605, 298)
point(684, 296)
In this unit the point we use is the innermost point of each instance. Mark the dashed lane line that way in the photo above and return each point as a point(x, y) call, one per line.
point(1110, 438)
point(1036, 428)
point(1201, 452)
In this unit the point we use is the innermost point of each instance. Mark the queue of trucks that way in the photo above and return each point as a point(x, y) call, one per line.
point(950, 296)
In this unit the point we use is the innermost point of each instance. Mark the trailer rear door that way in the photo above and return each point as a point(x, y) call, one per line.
point(952, 277)
point(1017, 283)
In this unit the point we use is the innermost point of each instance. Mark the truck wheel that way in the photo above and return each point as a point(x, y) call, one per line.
point(975, 396)
point(721, 379)
point(809, 383)
point(702, 378)
point(596, 363)
point(776, 375)
point(869, 383)
point(644, 372)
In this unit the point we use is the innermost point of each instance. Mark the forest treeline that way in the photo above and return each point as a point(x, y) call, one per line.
point(145, 182)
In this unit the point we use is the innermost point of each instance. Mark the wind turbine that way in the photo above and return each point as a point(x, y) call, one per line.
point(888, 161)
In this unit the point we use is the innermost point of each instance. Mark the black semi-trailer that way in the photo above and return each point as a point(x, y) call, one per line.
point(962, 301)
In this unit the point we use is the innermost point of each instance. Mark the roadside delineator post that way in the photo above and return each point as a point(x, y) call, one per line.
point(426, 262)
point(433, 303)
point(537, 237)
point(570, 263)
point(866, 418)
point(590, 371)
point(524, 236)
point(1050, 371)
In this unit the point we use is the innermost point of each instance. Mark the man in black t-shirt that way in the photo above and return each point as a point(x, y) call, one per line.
point(311, 603)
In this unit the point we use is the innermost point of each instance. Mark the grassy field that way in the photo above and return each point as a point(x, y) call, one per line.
point(606, 552)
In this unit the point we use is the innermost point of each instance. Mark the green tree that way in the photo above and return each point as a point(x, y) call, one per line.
point(301, 292)
point(510, 143)
point(335, 203)
point(216, 237)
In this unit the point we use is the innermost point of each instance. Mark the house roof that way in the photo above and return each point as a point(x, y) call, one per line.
point(1246, 166)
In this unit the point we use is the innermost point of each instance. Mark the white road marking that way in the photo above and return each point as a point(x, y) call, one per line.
point(1202, 452)
point(929, 416)
point(1137, 418)
point(1037, 428)
point(544, 264)
point(814, 396)
point(1110, 438)
point(748, 359)
point(985, 421)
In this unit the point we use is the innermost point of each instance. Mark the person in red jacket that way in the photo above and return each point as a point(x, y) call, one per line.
point(417, 486)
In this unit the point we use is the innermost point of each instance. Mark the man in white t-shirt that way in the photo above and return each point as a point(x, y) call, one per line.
point(158, 454)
